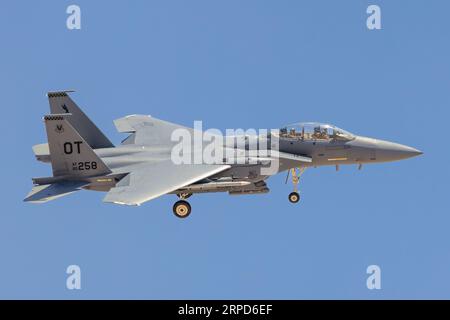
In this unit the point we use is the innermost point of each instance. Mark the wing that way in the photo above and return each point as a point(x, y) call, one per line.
point(150, 181)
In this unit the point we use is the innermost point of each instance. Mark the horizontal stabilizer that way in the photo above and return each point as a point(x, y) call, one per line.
point(48, 192)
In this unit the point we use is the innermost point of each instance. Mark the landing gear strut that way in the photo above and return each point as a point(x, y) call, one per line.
point(184, 196)
point(294, 197)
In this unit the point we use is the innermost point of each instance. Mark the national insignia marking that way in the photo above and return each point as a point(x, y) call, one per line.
point(59, 128)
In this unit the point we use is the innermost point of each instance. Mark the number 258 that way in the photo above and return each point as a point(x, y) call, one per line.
point(87, 165)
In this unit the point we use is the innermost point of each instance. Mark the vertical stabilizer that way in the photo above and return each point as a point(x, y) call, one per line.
point(70, 154)
point(60, 102)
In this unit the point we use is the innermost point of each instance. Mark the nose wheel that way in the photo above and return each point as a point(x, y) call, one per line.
point(294, 196)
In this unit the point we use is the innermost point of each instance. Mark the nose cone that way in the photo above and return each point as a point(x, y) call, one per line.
point(390, 151)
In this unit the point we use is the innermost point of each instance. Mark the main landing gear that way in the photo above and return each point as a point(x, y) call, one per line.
point(294, 196)
point(182, 208)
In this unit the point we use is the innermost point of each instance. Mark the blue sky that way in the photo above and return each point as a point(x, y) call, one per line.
point(233, 64)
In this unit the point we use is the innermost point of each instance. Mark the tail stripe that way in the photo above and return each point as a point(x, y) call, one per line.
point(51, 118)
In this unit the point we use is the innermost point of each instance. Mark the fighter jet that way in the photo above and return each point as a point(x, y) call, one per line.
point(142, 167)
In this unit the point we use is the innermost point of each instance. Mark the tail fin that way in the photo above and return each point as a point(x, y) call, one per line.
point(60, 102)
point(70, 154)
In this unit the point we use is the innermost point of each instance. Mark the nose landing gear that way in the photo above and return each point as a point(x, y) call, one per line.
point(294, 196)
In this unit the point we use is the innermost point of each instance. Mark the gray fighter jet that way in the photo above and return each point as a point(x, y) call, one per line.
point(142, 167)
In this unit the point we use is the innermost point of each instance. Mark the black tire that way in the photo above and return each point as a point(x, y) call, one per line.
point(182, 209)
point(294, 197)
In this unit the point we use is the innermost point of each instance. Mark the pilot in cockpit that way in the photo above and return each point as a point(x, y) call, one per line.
point(320, 133)
point(324, 133)
point(292, 132)
point(316, 133)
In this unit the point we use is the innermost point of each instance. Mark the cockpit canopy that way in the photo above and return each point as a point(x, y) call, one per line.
point(315, 131)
